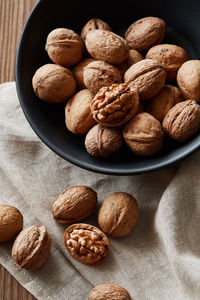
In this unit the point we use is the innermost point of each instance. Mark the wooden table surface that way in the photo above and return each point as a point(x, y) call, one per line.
point(13, 14)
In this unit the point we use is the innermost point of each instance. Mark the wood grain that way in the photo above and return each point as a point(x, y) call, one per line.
point(13, 14)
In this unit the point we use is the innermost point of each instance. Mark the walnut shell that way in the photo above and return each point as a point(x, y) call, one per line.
point(78, 116)
point(86, 243)
point(109, 292)
point(93, 24)
point(115, 105)
point(64, 47)
point(170, 56)
point(148, 76)
point(78, 71)
point(188, 79)
point(74, 204)
point(182, 121)
point(106, 45)
point(31, 247)
point(53, 83)
point(118, 214)
point(143, 135)
point(146, 32)
point(164, 101)
point(11, 222)
point(103, 141)
point(133, 57)
point(98, 74)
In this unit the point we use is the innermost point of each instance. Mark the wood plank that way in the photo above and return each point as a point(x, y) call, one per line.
point(13, 14)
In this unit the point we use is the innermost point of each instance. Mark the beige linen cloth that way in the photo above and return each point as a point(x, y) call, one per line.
point(160, 259)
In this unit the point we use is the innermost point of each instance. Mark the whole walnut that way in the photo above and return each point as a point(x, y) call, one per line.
point(64, 47)
point(106, 45)
point(118, 214)
point(11, 222)
point(182, 121)
point(78, 71)
point(103, 141)
point(170, 56)
point(93, 24)
point(75, 203)
point(148, 76)
point(109, 292)
point(143, 134)
point(98, 74)
point(164, 101)
point(53, 83)
point(31, 247)
point(115, 105)
point(188, 79)
point(78, 116)
point(145, 32)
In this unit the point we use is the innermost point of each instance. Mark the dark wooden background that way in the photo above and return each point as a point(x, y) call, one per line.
point(13, 14)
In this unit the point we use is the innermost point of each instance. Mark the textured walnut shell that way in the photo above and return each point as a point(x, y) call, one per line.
point(53, 83)
point(78, 71)
point(11, 222)
point(93, 24)
point(109, 292)
point(148, 76)
point(143, 135)
point(64, 46)
point(115, 105)
point(31, 247)
point(98, 74)
point(164, 101)
point(170, 56)
point(74, 204)
point(133, 57)
point(188, 79)
point(118, 214)
point(86, 243)
point(103, 141)
point(182, 121)
point(107, 46)
point(78, 116)
point(146, 32)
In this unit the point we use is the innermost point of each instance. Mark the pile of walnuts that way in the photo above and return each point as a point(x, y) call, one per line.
point(120, 89)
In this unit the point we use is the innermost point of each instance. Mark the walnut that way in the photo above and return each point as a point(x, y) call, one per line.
point(86, 243)
point(107, 46)
point(78, 116)
point(133, 57)
point(74, 204)
point(78, 71)
point(115, 105)
point(146, 32)
point(148, 76)
point(31, 247)
point(164, 101)
point(109, 292)
point(118, 214)
point(188, 79)
point(64, 47)
point(143, 135)
point(98, 74)
point(170, 56)
point(182, 121)
point(103, 141)
point(94, 24)
point(11, 222)
point(53, 83)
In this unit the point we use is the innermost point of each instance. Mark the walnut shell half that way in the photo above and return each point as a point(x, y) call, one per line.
point(86, 243)
point(31, 247)
point(115, 105)
point(182, 121)
point(109, 292)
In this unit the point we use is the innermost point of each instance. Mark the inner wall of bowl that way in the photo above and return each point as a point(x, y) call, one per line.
point(48, 120)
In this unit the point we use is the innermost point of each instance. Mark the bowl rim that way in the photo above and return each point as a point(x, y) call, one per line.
point(78, 162)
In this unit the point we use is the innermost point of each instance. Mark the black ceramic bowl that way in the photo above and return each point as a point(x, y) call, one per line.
point(47, 120)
